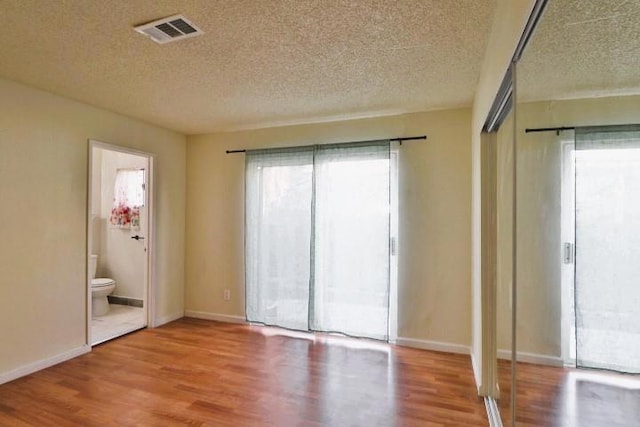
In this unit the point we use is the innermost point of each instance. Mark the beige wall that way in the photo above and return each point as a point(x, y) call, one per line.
point(509, 20)
point(434, 217)
point(539, 215)
point(43, 189)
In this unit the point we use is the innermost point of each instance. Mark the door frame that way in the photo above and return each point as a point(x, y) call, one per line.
point(568, 236)
point(394, 212)
point(149, 295)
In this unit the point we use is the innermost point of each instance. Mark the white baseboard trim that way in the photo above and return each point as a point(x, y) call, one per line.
point(433, 345)
point(538, 359)
point(215, 316)
point(43, 364)
point(492, 412)
point(166, 319)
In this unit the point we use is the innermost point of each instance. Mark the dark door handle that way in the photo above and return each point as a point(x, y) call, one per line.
point(137, 237)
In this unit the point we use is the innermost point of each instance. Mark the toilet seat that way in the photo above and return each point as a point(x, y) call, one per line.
point(101, 282)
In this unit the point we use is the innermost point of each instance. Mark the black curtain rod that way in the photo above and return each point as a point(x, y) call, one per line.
point(399, 139)
point(556, 129)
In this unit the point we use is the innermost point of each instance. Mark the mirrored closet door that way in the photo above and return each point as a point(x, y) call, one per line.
point(578, 217)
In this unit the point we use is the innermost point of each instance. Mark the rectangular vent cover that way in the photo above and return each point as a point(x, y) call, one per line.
point(169, 29)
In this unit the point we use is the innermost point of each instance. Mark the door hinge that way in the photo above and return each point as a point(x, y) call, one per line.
point(569, 253)
point(393, 246)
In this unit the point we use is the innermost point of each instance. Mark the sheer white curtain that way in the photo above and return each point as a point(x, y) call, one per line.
point(318, 238)
point(351, 250)
point(607, 269)
point(278, 236)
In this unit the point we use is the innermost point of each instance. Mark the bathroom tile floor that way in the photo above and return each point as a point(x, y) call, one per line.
point(120, 320)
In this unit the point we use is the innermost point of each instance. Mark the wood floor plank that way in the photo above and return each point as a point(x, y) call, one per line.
point(197, 373)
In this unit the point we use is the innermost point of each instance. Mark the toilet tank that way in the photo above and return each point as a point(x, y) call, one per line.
point(93, 265)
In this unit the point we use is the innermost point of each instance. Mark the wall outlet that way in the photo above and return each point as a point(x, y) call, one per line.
point(227, 295)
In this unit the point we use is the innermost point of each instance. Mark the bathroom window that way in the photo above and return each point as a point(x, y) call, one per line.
point(129, 188)
point(128, 198)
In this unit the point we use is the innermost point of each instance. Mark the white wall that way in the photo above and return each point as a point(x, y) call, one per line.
point(96, 200)
point(120, 257)
point(434, 217)
point(43, 224)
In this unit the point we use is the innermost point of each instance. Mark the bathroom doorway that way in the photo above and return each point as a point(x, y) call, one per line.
point(119, 241)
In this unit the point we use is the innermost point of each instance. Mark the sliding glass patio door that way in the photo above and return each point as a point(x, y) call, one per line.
point(318, 238)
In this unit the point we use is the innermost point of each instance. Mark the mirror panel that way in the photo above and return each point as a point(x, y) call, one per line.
point(504, 239)
point(577, 216)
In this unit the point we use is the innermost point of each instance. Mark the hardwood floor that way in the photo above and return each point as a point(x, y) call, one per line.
point(197, 372)
point(563, 397)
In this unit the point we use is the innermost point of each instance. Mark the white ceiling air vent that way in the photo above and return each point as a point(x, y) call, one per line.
point(169, 29)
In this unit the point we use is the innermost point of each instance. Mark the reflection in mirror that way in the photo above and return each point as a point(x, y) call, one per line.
point(578, 217)
point(504, 236)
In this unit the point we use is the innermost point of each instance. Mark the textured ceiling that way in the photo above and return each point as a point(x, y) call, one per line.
point(259, 63)
point(582, 49)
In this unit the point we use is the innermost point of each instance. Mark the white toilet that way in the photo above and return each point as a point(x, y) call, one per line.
point(100, 288)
